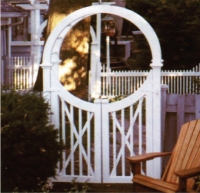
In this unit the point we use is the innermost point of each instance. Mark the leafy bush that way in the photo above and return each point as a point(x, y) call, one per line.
point(30, 147)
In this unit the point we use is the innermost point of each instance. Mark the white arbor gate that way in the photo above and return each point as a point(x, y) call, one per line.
point(98, 136)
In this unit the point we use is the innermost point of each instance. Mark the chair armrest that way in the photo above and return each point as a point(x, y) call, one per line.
point(147, 156)
point(184, 175)
point(136, 160)
point(188, 173)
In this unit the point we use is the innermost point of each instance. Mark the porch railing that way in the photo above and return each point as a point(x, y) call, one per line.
point(122, 83)
point(18, 73)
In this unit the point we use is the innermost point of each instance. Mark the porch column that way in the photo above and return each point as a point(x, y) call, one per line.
point(34, 8)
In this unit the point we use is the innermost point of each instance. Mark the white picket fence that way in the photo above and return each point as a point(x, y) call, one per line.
point(19, 73)
point(122, 83)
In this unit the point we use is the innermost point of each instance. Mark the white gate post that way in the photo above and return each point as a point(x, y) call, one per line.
point(156, 119)
point(153, 119)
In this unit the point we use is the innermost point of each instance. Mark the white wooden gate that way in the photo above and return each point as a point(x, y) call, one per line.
point(98, 136)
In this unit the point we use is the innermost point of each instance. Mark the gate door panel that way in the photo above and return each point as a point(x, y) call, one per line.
point(80, 124)
point(124, 134)
point(98, 136)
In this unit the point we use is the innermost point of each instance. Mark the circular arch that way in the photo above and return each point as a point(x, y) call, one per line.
point(54, 41)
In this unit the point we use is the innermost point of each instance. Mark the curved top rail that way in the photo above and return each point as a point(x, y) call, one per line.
point(67, 23)
point(85, 105)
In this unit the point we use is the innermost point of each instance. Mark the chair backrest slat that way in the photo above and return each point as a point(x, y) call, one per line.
point(186, 153)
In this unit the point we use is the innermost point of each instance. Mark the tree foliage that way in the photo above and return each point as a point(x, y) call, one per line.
point(177, 24)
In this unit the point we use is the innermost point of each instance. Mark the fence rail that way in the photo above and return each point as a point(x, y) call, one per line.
point(117, 83)
point(18, 73)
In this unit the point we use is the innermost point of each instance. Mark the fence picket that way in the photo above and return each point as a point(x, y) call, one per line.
point(125, 83)
point(113, 84)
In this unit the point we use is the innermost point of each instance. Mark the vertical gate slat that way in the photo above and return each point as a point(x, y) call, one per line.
point(132, 131)
point(114, 140)
point(80, 127)
point(140, 126)
point(63, 135)
point(72, 138)
point(89, 145)
point(123, 141)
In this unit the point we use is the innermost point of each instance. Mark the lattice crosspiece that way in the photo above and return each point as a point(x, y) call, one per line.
point(77, 128)
point(127, 130)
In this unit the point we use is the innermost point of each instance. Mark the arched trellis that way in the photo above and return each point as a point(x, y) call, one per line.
point(51, 61)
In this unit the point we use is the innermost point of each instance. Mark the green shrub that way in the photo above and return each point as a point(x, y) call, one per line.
point(29, 145)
